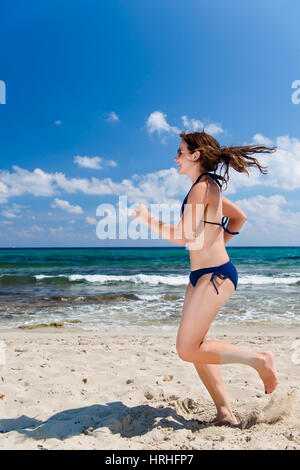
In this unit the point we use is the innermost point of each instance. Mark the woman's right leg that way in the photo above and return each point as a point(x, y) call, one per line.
point(211, 376)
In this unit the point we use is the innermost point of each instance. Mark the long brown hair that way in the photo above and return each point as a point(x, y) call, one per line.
point(212, 154)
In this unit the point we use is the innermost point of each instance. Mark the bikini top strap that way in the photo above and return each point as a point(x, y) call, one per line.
point(199, 177)
point(216, 178)
point(186, 197)
point(224, 222)
point(224, 218)
point(212, 175)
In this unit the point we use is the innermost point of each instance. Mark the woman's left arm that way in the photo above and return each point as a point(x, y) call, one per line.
point(236, 215)
point(231, 210)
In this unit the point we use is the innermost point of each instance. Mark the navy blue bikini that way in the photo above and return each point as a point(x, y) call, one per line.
point(224, 270)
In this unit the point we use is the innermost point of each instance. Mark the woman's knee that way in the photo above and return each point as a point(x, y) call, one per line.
point(186, 352)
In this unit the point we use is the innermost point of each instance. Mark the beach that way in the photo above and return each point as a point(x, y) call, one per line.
point(88, 354)
point(69, 388)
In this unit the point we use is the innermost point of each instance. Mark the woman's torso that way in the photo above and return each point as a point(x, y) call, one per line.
point(212, 251)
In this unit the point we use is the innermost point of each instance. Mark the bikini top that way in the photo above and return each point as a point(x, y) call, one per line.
point(224, 218)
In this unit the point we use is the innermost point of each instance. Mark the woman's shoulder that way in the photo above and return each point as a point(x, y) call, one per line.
point(198, 192)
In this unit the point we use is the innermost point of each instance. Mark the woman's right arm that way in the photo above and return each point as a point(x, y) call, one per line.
point(236, 215)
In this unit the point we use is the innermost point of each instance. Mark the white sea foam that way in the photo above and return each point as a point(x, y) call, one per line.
point(153, 310)
point(149, 297)
point(153, 279)
point(172, 280)
point(258, 279)
point(43, 276)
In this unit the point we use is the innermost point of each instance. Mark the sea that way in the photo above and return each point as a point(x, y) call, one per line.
point(113, 289)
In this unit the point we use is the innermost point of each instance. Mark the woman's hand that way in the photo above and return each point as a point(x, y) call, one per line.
point(142, 214)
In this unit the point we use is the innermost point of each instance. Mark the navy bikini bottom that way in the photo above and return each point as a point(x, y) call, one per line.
point(223, 271)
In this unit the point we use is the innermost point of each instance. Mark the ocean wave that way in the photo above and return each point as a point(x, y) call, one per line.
point(174, 280)
point(151, 279)
point(259, 279)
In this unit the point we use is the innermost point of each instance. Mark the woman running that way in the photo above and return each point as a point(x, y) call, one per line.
point(213, 277)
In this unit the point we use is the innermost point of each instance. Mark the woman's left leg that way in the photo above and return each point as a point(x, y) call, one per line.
point(211, 376)
point(198, 315)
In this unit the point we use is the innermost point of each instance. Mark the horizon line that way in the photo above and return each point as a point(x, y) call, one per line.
point(151, 247)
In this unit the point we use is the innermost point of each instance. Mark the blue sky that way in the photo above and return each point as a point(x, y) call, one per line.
point(117, 80)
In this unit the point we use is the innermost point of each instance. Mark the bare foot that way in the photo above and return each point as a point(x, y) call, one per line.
point(225, 419)
point(266, 371)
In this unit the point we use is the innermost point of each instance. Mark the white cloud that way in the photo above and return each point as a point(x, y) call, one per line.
point(194, 125)
point(110, 162)
point(162, 186)
point(36, 228)
point(29, 232)
point(66, 206)
point(14, 211)
point(96, 163)
point(57, 123)
point(91, 220)
point(9, 214)
point(283, 166)
point(112, 116)
point(156, 122)
point(84, 185)
point(56, 230)
point(3, 188)
point(22, 181)
point(270, 215)
point(262, 140)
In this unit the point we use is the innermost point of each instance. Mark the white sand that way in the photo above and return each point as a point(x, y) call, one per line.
point(72, 389)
